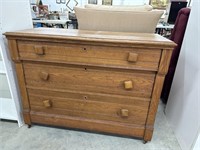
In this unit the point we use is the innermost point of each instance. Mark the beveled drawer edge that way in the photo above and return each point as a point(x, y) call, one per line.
point(87, 120)
point(89, 93)
point(115, 67)
point(114, 43)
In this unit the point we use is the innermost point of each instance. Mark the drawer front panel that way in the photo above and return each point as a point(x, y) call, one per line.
point(134, 112)
point(88, 124)
point(89, 80)
point(132, 58)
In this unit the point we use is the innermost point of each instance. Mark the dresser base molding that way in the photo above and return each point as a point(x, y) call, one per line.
point(129, 130)
point(105, 82)
point(27, 118)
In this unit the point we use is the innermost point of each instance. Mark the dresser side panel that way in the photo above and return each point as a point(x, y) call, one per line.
point(13, 49)
point(159, 80)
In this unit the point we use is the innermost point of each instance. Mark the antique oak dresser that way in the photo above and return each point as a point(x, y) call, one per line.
point(107, 82)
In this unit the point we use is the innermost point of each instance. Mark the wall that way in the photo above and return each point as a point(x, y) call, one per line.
point(183, 107)
point(197, 144)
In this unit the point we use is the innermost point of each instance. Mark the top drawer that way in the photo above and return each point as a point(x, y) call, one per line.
point(106, 56)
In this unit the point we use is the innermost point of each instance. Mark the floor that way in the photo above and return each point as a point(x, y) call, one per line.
point(51, 138)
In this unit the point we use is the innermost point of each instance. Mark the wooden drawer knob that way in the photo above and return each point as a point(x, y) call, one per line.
point(47, 103)
point(44, 76)
point(39, 50)
point(128, 85)
point(124, 112)
point(132, 57)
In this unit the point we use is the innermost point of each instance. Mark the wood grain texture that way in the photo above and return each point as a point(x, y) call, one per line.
point(13, 50)
point(12, 44)
point(88, 124)
point(147, 39)
point(164, 63)
point(39, 50)
point(97, 55)
point(91, 80)
point(163, 68)
point(99, 97)
point(153, 107)
point(133, 57)
point(23, 92)
point(89, 109)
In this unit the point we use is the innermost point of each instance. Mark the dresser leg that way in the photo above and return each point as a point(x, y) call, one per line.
point(29, 125)
point(144, 142)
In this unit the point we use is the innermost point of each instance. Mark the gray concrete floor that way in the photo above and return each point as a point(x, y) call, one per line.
point(50, 138)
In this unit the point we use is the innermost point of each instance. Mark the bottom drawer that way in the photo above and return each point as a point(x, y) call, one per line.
point(90, 106)
point(88, 124)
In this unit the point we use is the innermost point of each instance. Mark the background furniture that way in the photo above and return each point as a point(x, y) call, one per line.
point(12, 17)
point(53, 23)
point(73, 21)
point(173, 9)
point(164, 29)
point(127, 19)
point(98, 81)
point(176, 36)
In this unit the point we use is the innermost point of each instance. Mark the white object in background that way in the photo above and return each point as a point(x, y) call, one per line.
point(14, 15)
point(7, 105)
point(64, 15)
point(197, 143)
point(2, 67)
point(183, 107)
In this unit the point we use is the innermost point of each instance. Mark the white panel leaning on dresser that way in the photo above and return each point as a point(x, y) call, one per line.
point(9, 100)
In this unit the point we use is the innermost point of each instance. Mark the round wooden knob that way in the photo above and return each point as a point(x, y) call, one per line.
point(47, 103)
point(124, 112)
point(44, 75)
point(128, 85)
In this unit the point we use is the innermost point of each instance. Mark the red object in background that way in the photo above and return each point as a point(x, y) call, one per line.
point(176, 36)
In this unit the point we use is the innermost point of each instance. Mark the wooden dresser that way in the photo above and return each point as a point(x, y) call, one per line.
point(91, 80)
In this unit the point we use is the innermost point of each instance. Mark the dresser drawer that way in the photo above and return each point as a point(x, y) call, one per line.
point(89, 106)
point(117, 57)
point(89, 79)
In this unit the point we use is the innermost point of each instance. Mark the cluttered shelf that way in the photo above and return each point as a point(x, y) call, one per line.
point(43, 17)
point(164, 29)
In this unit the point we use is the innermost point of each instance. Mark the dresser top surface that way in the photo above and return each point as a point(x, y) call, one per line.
point(96, 36)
